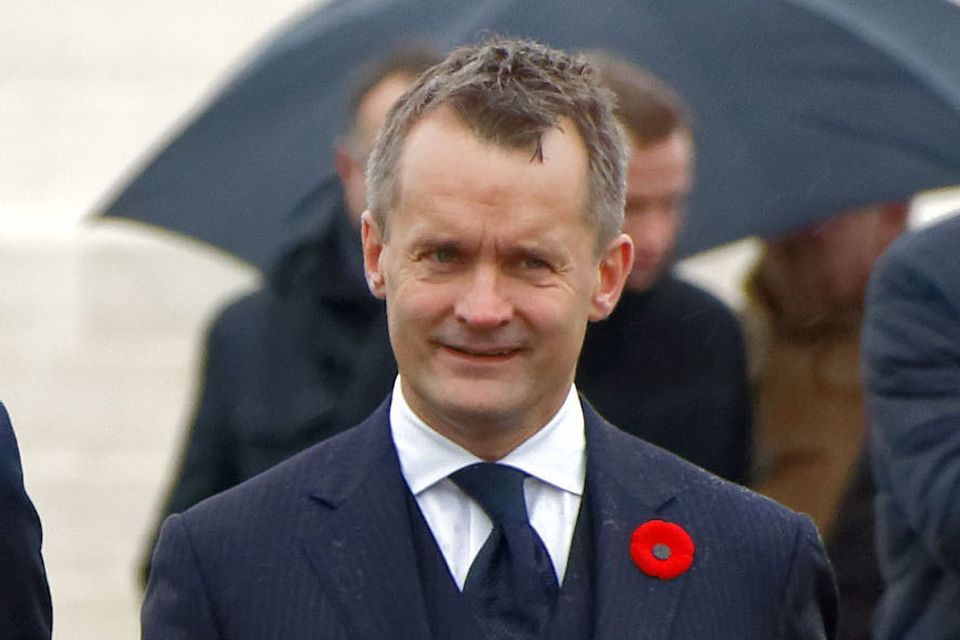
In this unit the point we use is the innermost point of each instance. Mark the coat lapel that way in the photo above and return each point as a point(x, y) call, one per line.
point(626, 491)
point(359, 537)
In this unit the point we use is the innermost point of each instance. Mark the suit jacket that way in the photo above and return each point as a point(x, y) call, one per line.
point(911, 364)
point(320, 546)
point(25, 612)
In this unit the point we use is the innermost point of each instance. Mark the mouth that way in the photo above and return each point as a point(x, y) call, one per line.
point(486, 354)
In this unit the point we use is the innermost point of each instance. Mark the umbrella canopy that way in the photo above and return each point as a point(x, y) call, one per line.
point(802, 107)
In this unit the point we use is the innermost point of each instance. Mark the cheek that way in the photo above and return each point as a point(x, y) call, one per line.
point(561, 316)
point(416, 304)
point(412, 317)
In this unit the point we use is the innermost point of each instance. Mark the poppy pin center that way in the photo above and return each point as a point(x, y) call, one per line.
point(661, 552)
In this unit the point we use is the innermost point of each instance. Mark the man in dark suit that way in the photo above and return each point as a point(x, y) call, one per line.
point(911, 365)
point(25, 612)
point(484, 498)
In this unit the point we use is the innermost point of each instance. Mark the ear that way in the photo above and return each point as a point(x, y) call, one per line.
point(372, 252)
point(615, 264)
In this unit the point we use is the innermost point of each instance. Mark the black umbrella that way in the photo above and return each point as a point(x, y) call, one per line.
point(803, 107)
point(927, 42)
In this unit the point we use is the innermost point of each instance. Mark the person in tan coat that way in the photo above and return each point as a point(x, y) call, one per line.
point(805, 307)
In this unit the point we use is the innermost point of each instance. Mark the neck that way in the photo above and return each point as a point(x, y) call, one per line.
point(486, 433)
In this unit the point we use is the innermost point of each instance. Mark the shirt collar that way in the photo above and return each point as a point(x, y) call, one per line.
point(556, 454)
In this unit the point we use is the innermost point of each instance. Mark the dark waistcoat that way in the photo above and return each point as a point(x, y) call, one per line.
point(448, 612)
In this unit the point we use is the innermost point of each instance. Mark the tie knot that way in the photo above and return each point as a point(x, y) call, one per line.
point(497, 488)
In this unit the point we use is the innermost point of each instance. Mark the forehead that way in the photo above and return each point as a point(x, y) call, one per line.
point(444, 166)
point(373, 108)
point(664, 165)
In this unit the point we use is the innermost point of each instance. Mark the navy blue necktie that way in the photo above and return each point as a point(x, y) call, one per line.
point(511, 585)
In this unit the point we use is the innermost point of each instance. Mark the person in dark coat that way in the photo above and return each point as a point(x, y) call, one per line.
point(669, 364)
point(25, 609)
point(911, 367)
point(282, 362)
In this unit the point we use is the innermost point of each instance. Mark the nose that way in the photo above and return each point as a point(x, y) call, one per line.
point(482, 303)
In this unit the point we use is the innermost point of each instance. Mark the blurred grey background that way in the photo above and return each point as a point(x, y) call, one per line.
point(100, 322)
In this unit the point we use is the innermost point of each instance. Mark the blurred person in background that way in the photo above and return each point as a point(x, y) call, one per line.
point(911, 367)
point(669, 364)
point(805, 305)
point(25, 609)
point(284, 364)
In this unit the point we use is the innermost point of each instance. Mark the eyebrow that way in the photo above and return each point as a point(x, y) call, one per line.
point(427, 244)
point(545, 252)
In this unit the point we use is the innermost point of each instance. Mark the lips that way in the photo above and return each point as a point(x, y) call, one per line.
point(494, 352)
point(481, 354)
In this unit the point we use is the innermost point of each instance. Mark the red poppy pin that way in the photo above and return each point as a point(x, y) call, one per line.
point(662, 549)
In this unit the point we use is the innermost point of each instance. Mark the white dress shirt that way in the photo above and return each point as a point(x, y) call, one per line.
point(555, 459)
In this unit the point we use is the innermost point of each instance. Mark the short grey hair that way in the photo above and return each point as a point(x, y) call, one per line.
point(509, 93)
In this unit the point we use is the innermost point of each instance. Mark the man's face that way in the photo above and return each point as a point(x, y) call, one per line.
point(371, 114)
point(490, 274)
point(658, 180)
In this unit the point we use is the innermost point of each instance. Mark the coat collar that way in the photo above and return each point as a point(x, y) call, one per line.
point(627, 486)
point(371, 572)
point(359, 542)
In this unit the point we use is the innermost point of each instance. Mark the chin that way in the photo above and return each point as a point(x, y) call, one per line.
point(480, 401)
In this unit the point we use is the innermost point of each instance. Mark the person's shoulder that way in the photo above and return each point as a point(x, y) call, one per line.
point(934, 247)
point(736, 518)
point(769, 559)
point(234, 336)
point(694, 296)
point(9, 454)
point(5, 426)
point(262, 314)
point(701, 494)
point(246, 307)
point(278, 492)
point(698, 312)
point(940, 235)
point(920, 265)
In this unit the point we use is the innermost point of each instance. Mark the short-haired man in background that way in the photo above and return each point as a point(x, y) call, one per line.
point(669, 364)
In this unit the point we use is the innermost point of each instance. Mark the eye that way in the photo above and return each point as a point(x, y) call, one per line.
point(534, 263)
point(444, 255)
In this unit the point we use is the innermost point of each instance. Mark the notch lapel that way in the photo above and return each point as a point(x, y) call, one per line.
point(359, 538)
point(626, 491)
